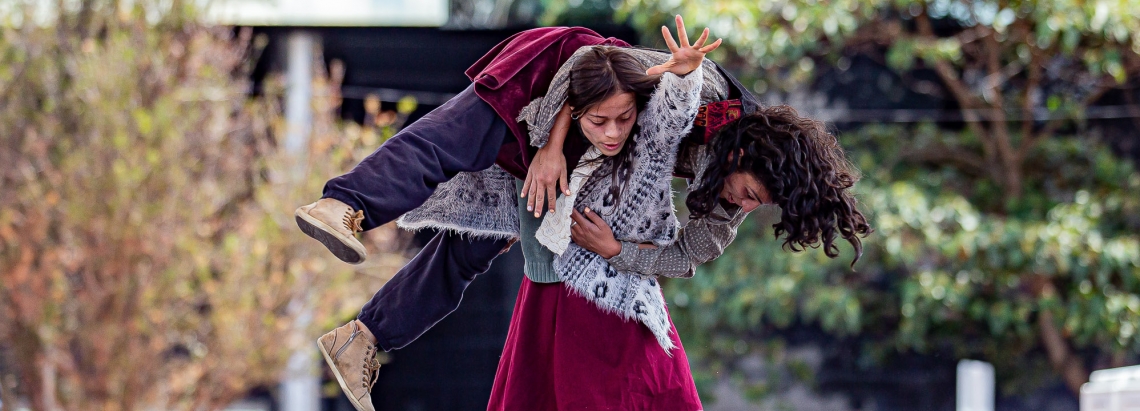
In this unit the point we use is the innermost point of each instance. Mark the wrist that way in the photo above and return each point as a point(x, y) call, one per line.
point(548, 148)
point(554, 143)
point(611, 249)
point(682, 70)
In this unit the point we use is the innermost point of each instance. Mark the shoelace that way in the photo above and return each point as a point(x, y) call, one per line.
point(371, 368)
point(352, 220)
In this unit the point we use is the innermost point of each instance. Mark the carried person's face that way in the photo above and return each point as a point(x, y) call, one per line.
point(607, 125)
point(743, 189)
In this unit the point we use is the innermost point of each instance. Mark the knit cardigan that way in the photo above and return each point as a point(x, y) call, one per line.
point(644, 211)
point(482, 204)
point(473, 203)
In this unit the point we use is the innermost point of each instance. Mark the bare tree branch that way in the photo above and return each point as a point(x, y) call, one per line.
point(966, 161)
point(1051, 126)
point(1011, 170)
point(967, 101)
point(1064, 362)
point(1032, 87)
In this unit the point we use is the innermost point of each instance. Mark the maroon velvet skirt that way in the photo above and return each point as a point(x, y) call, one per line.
point(565, 353)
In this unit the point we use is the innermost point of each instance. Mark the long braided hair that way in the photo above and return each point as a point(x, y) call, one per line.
point(600, 74)
point(804, 170)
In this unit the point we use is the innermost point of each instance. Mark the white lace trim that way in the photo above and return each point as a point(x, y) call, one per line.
point(554, 232)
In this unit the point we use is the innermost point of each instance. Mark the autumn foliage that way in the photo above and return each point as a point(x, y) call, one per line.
point(148, 257)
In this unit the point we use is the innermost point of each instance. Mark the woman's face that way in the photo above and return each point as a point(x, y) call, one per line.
point(608, 123)
point(743, 189)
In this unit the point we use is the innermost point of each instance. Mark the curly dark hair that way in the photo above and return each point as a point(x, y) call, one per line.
point(802, 166)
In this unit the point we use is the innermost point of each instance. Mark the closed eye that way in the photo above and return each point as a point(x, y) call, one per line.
point(752, 196)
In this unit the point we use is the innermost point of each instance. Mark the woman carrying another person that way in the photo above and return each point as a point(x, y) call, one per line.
point(432, 284)
point(439, 152)
point(571, 344)
point(566, 348)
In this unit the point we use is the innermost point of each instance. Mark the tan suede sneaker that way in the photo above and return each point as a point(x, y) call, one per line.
point(350, 351)
point(334, 224)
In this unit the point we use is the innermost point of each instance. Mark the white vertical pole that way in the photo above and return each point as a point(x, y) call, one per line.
point(299, 100)
point(300, 387)
point(975, 386)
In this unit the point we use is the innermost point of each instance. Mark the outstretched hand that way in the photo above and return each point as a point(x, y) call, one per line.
point(686, 57)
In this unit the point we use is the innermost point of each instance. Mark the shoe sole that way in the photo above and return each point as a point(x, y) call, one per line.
point(339, 378)
point(325, 234)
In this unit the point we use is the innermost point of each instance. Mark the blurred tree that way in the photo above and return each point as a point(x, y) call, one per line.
point(1017, 69)
point(577, 12)
point(149, 258)
point(1012, 240)
point(1037, 294)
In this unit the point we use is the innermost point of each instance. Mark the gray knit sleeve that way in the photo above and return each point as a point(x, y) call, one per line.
point(699, 241)
point(669, 114)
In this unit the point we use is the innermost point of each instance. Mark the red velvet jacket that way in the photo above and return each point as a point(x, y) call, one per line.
point(520, 69)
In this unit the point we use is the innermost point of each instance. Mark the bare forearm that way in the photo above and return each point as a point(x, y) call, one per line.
point(560, 129)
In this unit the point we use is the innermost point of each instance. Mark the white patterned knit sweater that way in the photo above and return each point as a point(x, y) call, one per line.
point(644, 213)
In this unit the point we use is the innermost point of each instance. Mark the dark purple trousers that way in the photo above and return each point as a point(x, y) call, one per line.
point(464, 134)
